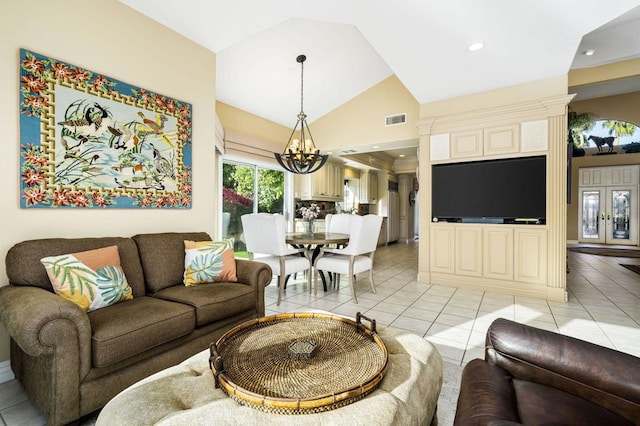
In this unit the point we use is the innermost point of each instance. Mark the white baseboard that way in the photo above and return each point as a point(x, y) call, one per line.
point(6, 374)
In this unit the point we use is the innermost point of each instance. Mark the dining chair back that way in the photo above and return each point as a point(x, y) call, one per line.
point(264, 235)
point(358, 255)
point(339, 223)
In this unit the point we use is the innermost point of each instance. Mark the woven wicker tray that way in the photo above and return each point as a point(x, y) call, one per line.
point(258, 363)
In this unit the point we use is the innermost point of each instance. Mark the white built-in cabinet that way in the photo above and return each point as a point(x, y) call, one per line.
point(490, 256)
point(368, 188)
point(490, 142)
point(327, 184)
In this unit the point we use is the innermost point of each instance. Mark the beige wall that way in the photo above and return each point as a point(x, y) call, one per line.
point(512, 95)
point(620, 107)
point(243, 122)
point(609, 72)
point(361, 120)
point(112, 39)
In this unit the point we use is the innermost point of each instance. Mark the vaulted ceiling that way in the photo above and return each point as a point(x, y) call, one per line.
point(351, 45)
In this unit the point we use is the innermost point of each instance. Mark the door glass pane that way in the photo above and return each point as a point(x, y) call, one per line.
point(620, 214)
point(238, 182)
point(270, 191)
point(590, 211)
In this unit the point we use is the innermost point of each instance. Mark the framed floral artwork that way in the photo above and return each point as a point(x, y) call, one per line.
point(90, 141)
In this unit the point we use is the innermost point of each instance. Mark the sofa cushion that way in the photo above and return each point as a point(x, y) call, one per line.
point(162, 257)
point(91, 279)
point(132, 327)
point(24, 267)
point(209, 261)
point(212, 301)
point(535, 409)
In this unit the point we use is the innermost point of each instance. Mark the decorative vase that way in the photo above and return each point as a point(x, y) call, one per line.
point(309, 230)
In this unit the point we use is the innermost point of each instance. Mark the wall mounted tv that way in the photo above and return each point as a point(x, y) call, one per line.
point(509, 190)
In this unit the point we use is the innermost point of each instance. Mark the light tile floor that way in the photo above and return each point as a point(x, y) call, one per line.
point(603, 308)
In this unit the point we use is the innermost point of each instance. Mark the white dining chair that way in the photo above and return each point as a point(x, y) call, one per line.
point(264, 235)
point(357, 256)
point(340, 223)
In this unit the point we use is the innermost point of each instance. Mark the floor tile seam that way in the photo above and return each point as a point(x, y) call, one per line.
point(594, 286)
point(592, 319)
point(606, 297)
point(466, 346)
point(394, 292)
point(439, 313)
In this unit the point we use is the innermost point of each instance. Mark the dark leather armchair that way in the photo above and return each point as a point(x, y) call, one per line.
point(534, 377)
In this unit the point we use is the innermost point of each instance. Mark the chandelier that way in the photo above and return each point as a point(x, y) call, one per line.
point(301, 155)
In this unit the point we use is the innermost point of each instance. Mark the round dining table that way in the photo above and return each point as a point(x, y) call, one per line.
point(317, 238)
point(314, 242)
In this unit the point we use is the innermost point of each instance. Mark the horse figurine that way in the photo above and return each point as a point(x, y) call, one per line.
point(599, 141)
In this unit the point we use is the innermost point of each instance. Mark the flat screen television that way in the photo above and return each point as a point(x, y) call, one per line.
point(499, 191)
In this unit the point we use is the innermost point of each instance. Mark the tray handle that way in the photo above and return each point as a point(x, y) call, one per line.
point(215, 363)
point(360, 326)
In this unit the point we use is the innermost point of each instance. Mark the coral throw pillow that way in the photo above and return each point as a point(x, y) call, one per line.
point(209, 261)
point(91, 279)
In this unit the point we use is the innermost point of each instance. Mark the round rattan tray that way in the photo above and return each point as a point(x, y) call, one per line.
point(299, 363)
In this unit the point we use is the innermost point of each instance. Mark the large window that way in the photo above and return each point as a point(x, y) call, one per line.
point(246, 189)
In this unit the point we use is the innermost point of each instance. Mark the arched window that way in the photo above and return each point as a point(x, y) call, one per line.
point(596, 133)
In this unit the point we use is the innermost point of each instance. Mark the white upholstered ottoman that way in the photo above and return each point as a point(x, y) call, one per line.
point(185, 394)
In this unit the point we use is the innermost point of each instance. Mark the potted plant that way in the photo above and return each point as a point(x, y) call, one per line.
point(577, 124)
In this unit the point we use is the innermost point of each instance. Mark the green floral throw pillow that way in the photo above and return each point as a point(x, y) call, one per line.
point(92, 279)
point(209, 261)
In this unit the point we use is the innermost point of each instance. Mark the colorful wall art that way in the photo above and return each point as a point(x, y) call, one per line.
point(89, 141)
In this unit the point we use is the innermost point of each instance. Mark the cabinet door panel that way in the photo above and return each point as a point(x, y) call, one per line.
point(498, 253)
point(468, 247)
point(466, 144)
point(442, 255)
point(502, 140)
point(530, 254)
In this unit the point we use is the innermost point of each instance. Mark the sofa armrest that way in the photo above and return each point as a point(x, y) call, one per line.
point(486, 396)
point(43, 323)
point(604, 376)
point(255, 274)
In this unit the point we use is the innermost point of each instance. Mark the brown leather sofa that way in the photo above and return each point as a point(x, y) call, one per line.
point(537, 377)
point(72, 363)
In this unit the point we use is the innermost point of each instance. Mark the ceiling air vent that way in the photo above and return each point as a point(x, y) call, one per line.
point(394, 120)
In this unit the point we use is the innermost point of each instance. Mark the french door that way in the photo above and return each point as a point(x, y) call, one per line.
point(248, 188)
point(609, 215)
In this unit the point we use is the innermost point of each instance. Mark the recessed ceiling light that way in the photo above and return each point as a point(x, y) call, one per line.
point(376, 146)
point(401, 155)
point(589, 52)
point(475, 47)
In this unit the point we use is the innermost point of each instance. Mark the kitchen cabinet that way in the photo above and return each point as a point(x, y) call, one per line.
point(368, 188)
point(324, 185)
point(300, 225)
point(382, 237)
point(393, 226)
